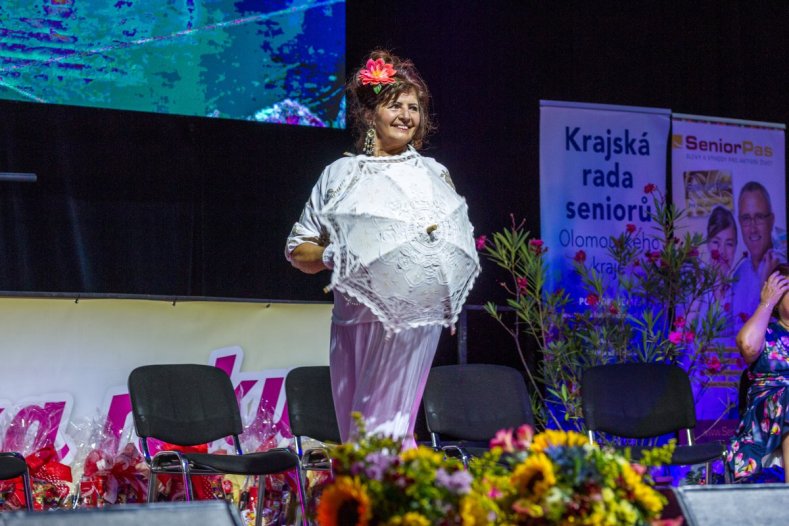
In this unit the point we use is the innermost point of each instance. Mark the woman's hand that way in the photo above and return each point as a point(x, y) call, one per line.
point(308, 258)
point(773, 290)
point(750, 339)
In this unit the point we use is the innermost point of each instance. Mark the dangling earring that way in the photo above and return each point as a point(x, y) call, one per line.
point(369, 141)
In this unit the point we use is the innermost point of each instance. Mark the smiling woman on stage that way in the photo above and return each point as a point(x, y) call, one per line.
point(377, 371)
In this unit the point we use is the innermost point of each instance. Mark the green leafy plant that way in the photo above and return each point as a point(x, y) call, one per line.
point(659, 306)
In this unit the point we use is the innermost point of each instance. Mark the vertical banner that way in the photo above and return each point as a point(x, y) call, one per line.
point(595, 161)
point(729, 176)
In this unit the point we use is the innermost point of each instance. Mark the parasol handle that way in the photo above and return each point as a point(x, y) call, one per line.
point(327, 288)
point(431, 229)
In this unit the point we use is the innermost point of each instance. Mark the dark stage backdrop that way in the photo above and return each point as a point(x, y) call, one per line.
point(137, 203)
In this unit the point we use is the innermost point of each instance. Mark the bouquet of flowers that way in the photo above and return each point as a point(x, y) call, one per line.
point(555, 477)
point(558, 477)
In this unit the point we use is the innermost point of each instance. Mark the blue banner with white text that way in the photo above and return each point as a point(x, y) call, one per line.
point(595, 161)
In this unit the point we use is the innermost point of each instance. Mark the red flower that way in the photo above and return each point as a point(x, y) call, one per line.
point(592, 300)
point(377, 72)
point(481, 242)
point(693, 252)
point(727, 307)
point(714, 364)
point(690, 336)
point(679, 322)
point(613, 309)
point(649, 188)
point(743, 316)
point(653, 255)
point(630, 227)
point(715, 255)
point(675, 337)
point(580, 256)
point(522, 284)
point(536, 246)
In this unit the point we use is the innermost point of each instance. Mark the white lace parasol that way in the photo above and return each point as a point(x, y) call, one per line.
point(405, 246)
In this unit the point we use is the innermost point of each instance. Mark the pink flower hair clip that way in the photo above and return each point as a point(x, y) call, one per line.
point(377, 73)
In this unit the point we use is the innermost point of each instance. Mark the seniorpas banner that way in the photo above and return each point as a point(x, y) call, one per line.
point(730, 178)
point(595, 161)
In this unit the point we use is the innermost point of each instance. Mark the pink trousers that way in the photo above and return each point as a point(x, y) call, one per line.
point(380, 376)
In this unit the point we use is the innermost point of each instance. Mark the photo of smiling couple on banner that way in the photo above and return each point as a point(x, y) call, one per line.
point(729, 176)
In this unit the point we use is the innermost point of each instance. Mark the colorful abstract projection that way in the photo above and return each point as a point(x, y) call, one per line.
point(266, 60)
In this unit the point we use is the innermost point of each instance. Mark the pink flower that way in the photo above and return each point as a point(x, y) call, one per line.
point(649, 188)
point(743, 316)
point(690, 336)
point(592, 300)
point(580, 256)
point(652, 255)
point(481, 242)
point(523, 437)
point(630, 227)
point(522, 284)
point(494, 493)
point(715, 255)
point(613, 309)
point(503, 439)
point(639, 469)
point(679, 322)
point(675, 337)
point(714, 364)
point(377, 72)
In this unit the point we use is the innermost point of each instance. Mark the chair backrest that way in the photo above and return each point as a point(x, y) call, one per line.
point(12, 465)
point(310, 404)
point(637, 400)
point(184, 404)
point(474, 401)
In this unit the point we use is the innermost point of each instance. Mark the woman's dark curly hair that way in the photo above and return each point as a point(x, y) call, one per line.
point(363, 100)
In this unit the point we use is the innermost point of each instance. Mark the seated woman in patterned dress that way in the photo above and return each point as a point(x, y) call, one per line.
point(762, 438)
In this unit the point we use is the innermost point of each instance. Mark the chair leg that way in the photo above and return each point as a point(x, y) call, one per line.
point(152, 486)
point(259, 503)
point(707, 472)
point(187, 478)
point(28, 492)
point(301, 483)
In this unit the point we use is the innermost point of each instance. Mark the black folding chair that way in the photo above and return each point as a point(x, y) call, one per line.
point(465, 405)
point(13, 465)
point(645, 400)
point(189, 404)
point(311, 413)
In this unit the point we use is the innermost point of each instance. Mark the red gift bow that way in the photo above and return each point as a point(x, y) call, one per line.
point(124, 474)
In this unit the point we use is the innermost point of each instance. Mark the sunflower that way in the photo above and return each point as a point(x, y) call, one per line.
point(550, 437)
point(344, 502)
point(534, 476)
